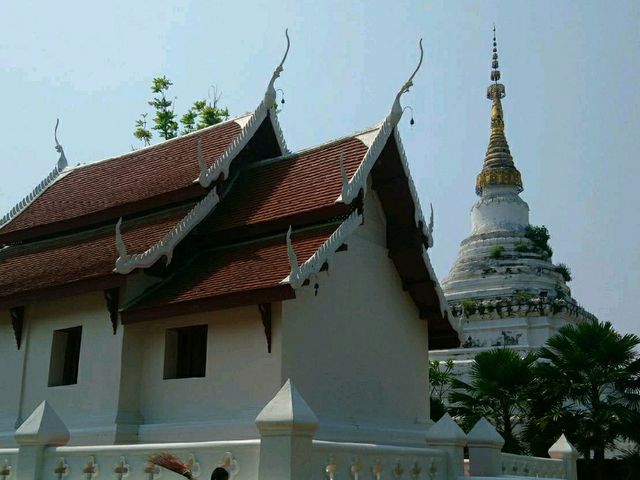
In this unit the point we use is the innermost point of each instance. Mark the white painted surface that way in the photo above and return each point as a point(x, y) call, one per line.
point(241, 377)
point(499, 208)
point(12, 361)
point(89, 407)
point(357, 351)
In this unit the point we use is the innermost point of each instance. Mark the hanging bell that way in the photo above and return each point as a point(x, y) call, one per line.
point(316, 287)
point(412, 121)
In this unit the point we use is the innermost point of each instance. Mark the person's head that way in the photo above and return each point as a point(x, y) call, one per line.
point(220, 474)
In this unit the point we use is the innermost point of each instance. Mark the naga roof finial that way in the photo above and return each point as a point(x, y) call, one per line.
point(270, 95)
point(62, 161)
point(396, 110)
point(121, 247)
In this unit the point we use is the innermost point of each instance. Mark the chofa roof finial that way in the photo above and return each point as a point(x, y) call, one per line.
point(121, 247)
point(62, 161)
point(270, 95)
point(396, 110)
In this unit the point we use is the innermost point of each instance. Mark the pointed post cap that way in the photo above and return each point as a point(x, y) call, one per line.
point(563, 449)
point(43, 427)
point(483, 434)
point(446, 432)
point(287, 413)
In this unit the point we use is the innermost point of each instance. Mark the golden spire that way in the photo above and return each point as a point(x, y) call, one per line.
point(498, 168)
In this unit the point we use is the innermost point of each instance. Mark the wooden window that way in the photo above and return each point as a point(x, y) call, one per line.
point(65, 356)
point(185, 353)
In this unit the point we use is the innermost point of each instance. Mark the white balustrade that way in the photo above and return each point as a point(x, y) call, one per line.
point(131, 462)
point(359, 461)
point(534, 467)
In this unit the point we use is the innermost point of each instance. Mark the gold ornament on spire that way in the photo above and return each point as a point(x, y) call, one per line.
point(498, 168)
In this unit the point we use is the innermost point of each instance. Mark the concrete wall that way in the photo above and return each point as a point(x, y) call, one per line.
point(357, 351)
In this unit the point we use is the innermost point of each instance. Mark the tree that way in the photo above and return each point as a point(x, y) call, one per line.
point(592, 373)
point(440, 383)
point(498, 391)
point(203, 113)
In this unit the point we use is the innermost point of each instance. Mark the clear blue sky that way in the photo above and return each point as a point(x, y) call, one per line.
point(571, 71)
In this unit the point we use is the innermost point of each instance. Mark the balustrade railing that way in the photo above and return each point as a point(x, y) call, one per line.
point(534, 467)
point(357, 461)
point(8, 462)
point(130, 462)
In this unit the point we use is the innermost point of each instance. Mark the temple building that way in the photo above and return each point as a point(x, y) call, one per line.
point(503, 286)
point(168, 293)
point(249, 310)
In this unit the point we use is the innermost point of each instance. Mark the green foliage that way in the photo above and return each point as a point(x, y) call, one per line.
point(521, 297)
point(440, 378)
point(521, 247)
point(563, 270)
point(469, 307)
point(590, 378)
point(203, 113)
point(141, 132)
point(586, 384)
point(437, 409)
point(498, 391)
point(540, 238)
point(497, 251)
point(560, 295)
point(165, 120)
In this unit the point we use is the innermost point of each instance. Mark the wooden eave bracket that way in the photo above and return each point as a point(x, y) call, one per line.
point(265, 313)
point(112, 297)
point(17, 322)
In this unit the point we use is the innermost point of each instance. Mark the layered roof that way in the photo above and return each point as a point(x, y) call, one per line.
point(78, 262)
point(122, 184)
point(225, 234)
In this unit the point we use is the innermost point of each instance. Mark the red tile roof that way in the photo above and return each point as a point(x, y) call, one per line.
point(287, 187)
point(139, 175)
point(74, 259)
point(233, 270)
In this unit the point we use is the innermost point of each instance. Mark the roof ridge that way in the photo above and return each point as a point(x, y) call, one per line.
point(157, 145)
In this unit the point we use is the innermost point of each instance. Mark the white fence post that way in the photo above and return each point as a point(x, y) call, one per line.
point(446, 435)
point(485, 445)
point(287, 426)
point(43, 428)
point(563, 450)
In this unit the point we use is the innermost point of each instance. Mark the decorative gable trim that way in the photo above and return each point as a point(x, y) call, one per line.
point(126, 263)
point(221, 165)
point(352, 187)
point(164, 248)
point(324, 254)
point(57, 173)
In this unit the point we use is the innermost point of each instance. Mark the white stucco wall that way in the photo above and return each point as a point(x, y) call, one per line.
point(11, 361)
point(89, 407)
point(357, 351)
point(241, 377)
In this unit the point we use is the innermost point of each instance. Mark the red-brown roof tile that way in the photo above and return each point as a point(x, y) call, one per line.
point(246, 267)
point(72, 259)
point(287, 187)
point(139, 175)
